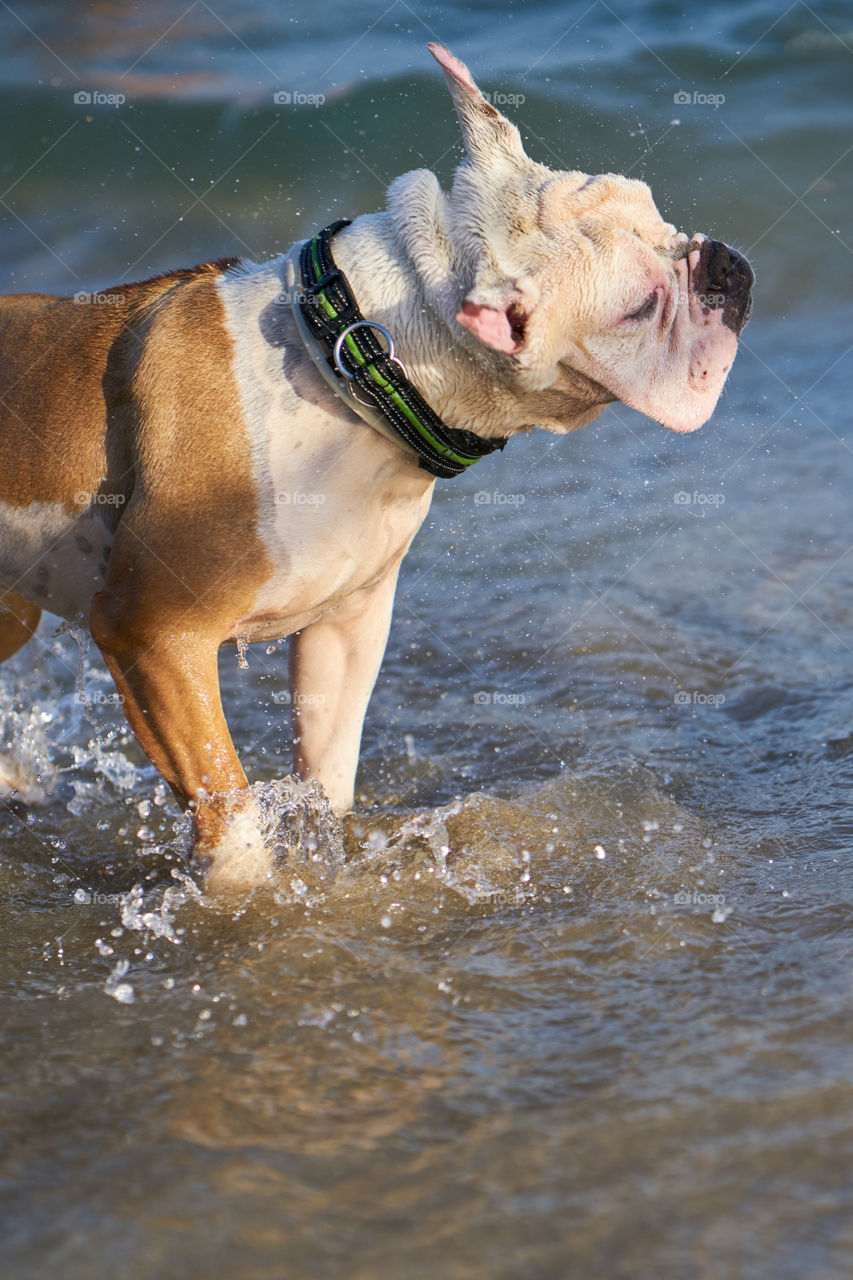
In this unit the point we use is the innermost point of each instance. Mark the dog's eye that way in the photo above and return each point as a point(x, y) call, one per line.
point(647, 310)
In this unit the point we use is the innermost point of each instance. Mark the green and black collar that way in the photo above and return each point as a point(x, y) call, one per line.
point(366, 372)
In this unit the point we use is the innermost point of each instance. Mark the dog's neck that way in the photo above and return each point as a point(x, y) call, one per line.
point(404, 273)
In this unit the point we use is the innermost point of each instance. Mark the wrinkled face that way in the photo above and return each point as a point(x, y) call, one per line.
point(579, 278)
point(652, 316)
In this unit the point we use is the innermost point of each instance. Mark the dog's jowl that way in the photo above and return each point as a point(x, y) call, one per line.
point(245, 451)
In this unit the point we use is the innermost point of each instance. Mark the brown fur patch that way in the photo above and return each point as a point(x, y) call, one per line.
point(187, 554)
point(18, 620)
point(56, 426)
point(136, 396)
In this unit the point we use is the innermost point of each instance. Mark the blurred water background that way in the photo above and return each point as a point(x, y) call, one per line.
point(579, 1001)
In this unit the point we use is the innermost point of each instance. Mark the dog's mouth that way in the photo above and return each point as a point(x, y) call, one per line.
point(720, 277)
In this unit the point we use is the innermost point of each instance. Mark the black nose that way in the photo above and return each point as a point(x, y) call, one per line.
point(724, 278)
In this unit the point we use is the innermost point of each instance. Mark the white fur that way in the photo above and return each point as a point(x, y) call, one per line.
point(339, 504)
point(55, 559)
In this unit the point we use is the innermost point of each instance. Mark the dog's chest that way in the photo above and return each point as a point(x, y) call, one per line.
point(337, 504)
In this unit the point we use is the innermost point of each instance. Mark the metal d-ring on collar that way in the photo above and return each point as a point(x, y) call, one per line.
point(370, 378)
point(365, 324)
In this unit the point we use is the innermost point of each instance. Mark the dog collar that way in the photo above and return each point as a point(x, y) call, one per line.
point(368, 376)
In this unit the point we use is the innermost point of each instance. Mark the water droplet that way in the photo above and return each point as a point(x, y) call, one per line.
point(121, 991)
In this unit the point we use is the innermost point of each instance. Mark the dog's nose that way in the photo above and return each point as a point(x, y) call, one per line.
point(728, 269)
point(726, 278)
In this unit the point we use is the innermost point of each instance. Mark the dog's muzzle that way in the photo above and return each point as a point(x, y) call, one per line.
point(724, 278)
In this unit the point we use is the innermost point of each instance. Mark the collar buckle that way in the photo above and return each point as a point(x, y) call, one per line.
point(389, 355)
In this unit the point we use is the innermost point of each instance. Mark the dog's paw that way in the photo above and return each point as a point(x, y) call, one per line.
point(240, 859)
point(266, 834)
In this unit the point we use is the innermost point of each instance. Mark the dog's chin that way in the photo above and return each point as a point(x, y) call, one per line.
point(687, 412)
point(684, 410)
point(685, 424)
point(683, 398)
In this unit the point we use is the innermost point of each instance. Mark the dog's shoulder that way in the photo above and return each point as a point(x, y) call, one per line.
point(88, 323)
point(176, 285)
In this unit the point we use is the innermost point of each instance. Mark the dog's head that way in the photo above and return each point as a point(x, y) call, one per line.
point(579, 285)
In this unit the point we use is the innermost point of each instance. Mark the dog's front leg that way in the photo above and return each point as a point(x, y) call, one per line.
point(169, 686)
point(333, 668)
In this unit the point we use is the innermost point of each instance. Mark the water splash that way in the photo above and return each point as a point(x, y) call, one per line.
point(473, 847)
point(26, 770)
point(275, 828)
point(156, 916)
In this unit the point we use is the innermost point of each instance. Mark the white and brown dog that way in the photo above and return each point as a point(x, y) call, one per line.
point(176, 472)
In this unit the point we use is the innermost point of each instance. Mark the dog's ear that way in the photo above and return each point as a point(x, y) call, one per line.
point(498, 317)
point(488, 135)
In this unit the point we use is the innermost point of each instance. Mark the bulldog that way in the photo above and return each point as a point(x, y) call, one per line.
point(238, 452)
